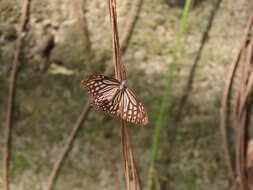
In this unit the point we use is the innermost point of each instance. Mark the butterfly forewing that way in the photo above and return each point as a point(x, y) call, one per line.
point(100, 84)
point(115, 98)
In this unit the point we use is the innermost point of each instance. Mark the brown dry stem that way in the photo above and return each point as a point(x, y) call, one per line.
point(240, 110)
point(82, 23)
point(127, 149)
point(130, 23)
point(67, 147)
point(11, 97)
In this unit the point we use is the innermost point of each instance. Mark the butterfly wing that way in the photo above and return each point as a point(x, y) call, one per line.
point(99, 84)
point(108, 96)
point(112, 106)
point(105, 92)
point(132, 110)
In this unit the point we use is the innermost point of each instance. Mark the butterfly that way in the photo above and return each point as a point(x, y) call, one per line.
point(115, 98)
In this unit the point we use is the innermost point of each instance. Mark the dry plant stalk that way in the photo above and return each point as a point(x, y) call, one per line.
point(11, 97)
point(241, 110)
point(127, 149)
point(66, 149)
point(82, 23)
point(85, 112)
point(130, 23)
point(241, 113)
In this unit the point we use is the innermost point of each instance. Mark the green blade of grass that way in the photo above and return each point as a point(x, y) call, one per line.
point(164, 107)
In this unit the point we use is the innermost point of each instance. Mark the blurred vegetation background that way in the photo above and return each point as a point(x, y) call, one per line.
point(59, 52)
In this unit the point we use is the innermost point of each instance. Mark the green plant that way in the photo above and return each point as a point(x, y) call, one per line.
point(164, 106)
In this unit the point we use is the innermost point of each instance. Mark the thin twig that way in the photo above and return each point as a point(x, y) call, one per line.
point(57, 166)
point(118, 66)
point(133, 163)
point(245, 78)
point(82, 23)
point(130, 23)
point(127, 148)
point(125, 156)
point(192, 73)
point(225, 99)
point(241, 117)
point(128, 30)
point(11, 97)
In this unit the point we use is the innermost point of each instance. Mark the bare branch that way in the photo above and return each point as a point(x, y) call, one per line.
point(59, 162)
point(225, 98)
point(82, 23)
point(127, 148)
point(130, 24)
point(16, 65)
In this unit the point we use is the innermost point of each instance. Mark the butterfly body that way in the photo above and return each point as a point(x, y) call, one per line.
point(115, 98)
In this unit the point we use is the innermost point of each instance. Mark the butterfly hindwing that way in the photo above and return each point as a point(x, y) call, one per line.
point(133, 110)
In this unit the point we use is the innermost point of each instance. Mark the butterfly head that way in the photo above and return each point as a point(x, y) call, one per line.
point(122, 85)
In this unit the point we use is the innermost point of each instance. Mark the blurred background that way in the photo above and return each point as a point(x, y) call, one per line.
point(177, 63)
